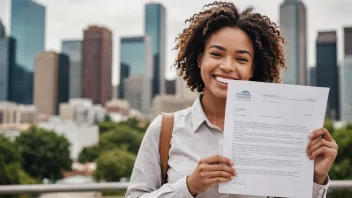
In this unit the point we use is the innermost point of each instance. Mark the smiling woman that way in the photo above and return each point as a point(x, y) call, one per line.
point(220, 44)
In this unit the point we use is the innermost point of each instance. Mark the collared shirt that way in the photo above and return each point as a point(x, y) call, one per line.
point(193, 138)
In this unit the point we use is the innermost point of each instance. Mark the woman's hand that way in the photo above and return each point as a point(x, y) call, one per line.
point(210, 170)
point(323, 149)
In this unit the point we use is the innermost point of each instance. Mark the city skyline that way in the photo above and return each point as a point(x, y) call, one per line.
point(112, 15)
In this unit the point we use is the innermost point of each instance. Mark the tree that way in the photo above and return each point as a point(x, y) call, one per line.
point(123, 135)
point(10, 162)
point(341, 169)
point(113, 165)
point(89, 154)
point(45, 154)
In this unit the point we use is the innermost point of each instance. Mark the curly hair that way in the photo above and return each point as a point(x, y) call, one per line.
point(265, 35)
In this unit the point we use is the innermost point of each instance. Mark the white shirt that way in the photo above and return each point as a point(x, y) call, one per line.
point(193, 138)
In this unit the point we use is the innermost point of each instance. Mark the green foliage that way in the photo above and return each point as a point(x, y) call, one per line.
point(89, 154)
point(113, 165)
point(341, 169)
point(123, 135)
point(11, 171)
point(45, 154)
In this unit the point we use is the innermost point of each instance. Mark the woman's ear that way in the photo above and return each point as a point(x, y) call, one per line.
point(251, 72)
point(199, 60)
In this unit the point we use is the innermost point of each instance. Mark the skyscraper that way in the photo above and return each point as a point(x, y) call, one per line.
point(124, 73)
point(313, 76)
point(293, 24)
point(7, 63)
point(346, 93)
point(327, 70)
point(2, 30)
point(73, 49)
point(136, 55)
point(97, 64)
point(155, 27)
point(51, 82)
point(348, 41)
point(28, 29)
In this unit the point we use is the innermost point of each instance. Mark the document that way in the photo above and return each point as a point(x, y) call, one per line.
point(266, 135)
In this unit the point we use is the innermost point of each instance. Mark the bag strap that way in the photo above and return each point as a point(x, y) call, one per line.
point(167, 126)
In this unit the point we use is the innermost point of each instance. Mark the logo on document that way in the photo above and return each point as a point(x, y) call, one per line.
point(244, 95)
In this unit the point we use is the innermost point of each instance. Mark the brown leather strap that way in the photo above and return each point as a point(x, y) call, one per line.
point(167, 126)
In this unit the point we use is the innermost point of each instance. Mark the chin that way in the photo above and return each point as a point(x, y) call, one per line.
point(222, 94)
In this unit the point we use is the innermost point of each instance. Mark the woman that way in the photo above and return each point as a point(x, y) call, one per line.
point(219, 44)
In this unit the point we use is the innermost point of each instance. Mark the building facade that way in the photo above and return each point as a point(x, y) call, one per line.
point(7, 63)
point(294, 29)
point(155, 27)
point(14, 114)
point(346, 93)
point(73, 49)
point(28, 29)
point(348, 41)
point(51, 82)
point(97, 64)
point(136, 55)
point(327, 70)
point(82, 111)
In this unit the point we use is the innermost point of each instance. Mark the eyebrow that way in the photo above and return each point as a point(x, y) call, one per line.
point(224, 49)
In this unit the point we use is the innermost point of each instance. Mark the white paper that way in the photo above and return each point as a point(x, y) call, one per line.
point(266, 135)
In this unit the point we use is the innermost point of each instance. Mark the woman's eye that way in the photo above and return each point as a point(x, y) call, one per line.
point(215, 54)
point(242, 59)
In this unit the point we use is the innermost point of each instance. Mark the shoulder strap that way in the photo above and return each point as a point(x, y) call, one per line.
point(167, 126)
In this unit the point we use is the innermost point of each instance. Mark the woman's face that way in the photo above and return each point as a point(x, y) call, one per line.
point(228, 54)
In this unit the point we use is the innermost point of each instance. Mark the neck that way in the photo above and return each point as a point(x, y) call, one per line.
point(214, 108)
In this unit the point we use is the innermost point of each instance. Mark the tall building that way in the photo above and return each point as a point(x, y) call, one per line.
point(313, 76)
point(97, 64)
point(7, 63)
point(155, 27)
point(2, 30)
point(28, 29)
point(170, 87)
point(137, 60)
point(348, 41)
point(346, 93)
point(73, 49)
point(124, 73)
point(294, 29)
point(327, 70)
point(51, 82)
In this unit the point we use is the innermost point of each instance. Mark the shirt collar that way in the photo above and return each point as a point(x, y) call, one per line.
point(198, 115)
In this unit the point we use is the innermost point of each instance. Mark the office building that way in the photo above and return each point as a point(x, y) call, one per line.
point(28, 29)
point(137, 63)
point(73, 49)
point(346, 93)
point(7, 63)
point(97, 64)
point(348, 41)
point(82, 111)
point(138, 92)
point(312, 76)
point(124, 73)
point(51, 82)
point(294, 29)
point(170, 87)
point(327, 70)
point(155, 27)
point(14, 114)
point(2, 30)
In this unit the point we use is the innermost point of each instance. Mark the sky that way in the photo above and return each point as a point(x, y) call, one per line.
point(66, 19)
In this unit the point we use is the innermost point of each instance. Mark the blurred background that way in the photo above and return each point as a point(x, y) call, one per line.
point(80, 81)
